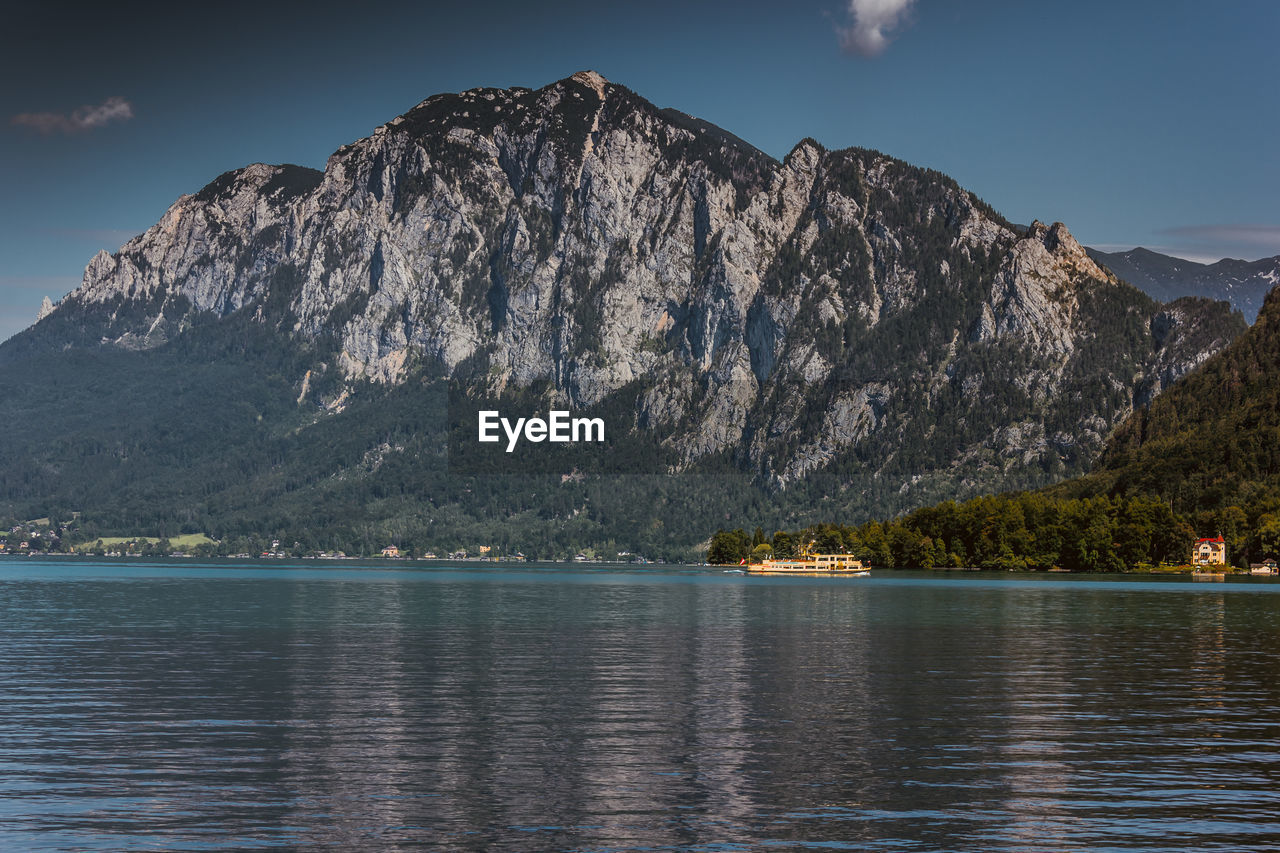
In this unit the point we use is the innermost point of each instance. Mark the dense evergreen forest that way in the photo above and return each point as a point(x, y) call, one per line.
point(209, 434)
point(1024, 531)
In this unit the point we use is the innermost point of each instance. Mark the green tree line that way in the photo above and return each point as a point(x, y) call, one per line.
point(1024, 531)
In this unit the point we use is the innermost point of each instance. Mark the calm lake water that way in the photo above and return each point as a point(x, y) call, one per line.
point(196, 707)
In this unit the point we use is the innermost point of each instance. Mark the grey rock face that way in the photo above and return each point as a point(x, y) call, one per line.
point(781, 313)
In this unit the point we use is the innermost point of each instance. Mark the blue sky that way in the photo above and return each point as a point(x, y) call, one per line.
point(1136, 123)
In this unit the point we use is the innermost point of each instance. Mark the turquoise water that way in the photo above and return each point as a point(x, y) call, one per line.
point(197, 706)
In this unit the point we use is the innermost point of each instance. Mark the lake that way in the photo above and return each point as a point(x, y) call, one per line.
point(231, 706)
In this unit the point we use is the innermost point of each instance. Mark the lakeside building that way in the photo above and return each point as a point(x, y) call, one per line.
point(1266, 567)
point(1210, 552)
point(391, 551)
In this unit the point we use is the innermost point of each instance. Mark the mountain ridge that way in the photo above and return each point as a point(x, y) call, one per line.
point(839, 326)
point(1214, 440)
point(1244, 284)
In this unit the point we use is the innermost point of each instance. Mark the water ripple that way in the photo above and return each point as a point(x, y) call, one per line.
point(180, 708)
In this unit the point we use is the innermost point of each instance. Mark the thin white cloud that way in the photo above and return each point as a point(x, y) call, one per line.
point(85, 118)
point(1208, 244)
point(1261, 236)
point(872, 23)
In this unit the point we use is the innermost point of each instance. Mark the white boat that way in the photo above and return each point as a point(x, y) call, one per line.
point(811, 564)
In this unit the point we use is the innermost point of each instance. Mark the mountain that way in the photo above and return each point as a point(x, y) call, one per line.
point(303, 353)
point(1210, 446)
point(1212, 440)
point(1242, 283)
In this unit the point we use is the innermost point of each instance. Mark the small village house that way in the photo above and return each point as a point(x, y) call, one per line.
point(391, 551)
point(1266, 567)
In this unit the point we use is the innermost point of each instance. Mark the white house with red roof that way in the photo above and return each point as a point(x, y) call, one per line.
point(1209, 552)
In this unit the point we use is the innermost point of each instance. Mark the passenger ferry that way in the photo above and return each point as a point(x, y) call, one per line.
point(811, 564)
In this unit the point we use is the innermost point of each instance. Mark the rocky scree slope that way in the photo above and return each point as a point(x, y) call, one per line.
point(842, 325)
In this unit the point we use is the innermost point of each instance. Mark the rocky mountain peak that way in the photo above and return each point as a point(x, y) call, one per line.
point(592, 80)
point(1059, 239)
point(1065, 250)
point(1056, 238)
point(785, 316)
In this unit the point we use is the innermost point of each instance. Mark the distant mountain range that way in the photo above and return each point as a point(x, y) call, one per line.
point(1242, 283)
point(301, 353)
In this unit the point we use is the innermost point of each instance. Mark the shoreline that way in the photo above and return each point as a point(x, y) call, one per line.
point(1184, 571)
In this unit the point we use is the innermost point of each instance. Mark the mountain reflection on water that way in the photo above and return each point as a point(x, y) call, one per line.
point(186, 707)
